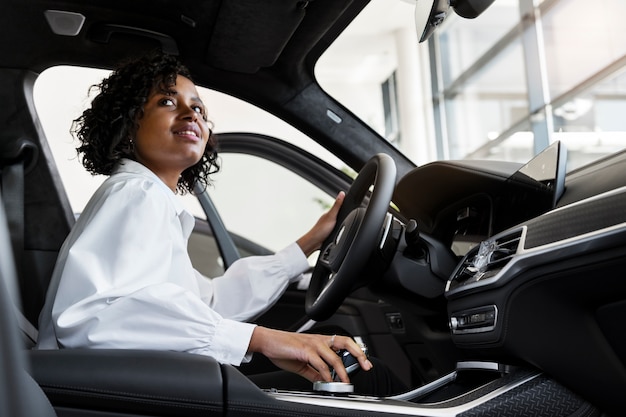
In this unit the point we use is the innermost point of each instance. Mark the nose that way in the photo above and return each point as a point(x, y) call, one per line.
point(187, 112)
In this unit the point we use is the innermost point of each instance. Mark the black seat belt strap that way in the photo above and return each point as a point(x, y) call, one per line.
point(13, 172)
point(13, 197)
point(224, 241)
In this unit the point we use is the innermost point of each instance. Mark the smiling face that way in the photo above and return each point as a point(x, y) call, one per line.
point(173, 131)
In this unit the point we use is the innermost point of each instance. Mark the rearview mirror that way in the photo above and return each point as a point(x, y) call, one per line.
point(470, 9)
point(429, 14)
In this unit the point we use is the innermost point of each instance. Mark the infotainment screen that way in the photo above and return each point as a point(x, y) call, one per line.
point(533, 189)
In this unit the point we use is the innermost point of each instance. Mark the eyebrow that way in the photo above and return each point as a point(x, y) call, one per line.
point(198, 100)
point(174, 92)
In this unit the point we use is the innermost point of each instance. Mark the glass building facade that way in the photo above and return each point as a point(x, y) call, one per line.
point(526, 73)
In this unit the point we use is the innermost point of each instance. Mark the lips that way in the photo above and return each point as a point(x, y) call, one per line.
point(186, 133)
point(190, 130)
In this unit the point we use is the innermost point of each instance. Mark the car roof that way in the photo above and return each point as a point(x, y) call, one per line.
point(263, 52)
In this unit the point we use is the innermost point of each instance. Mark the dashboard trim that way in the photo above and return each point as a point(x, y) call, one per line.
point(549, 252)
point(391, 406)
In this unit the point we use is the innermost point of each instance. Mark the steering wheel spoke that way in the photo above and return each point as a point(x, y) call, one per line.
point(326, 256)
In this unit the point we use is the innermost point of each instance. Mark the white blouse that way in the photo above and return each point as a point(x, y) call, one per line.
point(123, 278)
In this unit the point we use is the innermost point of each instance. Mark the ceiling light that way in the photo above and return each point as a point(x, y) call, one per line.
point(64, 23)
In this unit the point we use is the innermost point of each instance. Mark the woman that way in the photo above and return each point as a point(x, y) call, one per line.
point(123, 278)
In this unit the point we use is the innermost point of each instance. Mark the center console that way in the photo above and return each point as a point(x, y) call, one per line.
point(108, 383)
point(473, 389)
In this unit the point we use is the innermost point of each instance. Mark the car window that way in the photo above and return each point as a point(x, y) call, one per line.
point(269, 204)
point(260, 201)
point(494, 87)
point(62, 93)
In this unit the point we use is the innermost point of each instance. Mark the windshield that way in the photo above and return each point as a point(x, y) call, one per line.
point(504, 85)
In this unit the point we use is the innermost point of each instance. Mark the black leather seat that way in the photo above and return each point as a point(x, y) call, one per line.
point(131, 382)
point(20, 395)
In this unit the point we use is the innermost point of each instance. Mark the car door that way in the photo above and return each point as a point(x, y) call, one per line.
point(267, 194)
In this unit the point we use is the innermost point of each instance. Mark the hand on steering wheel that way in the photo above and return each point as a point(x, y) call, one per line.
point(355, 236)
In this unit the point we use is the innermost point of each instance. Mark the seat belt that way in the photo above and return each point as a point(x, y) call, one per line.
point(13, 199)
point(224, 241)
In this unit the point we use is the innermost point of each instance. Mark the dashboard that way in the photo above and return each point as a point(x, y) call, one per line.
point(462, 203)
point(540, 278)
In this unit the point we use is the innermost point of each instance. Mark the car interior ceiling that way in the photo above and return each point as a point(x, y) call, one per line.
point(272, 68)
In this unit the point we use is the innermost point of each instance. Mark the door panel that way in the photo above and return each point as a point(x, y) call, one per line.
point(267, 193)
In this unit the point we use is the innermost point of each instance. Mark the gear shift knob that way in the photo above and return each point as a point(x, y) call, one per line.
point(349, 362)
point(336, 386)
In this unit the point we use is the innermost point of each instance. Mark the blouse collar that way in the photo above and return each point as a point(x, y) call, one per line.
point(133, 167)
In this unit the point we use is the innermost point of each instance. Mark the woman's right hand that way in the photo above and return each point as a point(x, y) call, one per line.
point(313, 239)
point(311, 356)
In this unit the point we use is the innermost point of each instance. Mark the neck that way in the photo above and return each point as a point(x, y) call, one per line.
point(170, 181)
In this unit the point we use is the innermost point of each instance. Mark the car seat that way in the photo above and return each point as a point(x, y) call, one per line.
point(20, 396)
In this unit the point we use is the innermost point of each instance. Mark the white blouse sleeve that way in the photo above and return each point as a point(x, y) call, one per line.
point(127, 282)
point(253, 284)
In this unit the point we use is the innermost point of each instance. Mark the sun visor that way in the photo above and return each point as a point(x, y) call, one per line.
point(251, 34)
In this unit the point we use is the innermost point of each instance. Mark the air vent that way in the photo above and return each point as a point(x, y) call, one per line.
point(486, 260)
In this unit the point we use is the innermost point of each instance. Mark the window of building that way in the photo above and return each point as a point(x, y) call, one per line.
point(525, 74)
point(390, 110)
point(501, 86)
point(463, 42)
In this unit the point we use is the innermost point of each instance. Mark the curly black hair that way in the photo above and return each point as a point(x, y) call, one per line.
point(105, 131)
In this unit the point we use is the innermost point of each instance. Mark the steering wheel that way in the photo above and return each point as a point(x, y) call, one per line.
point(355, 236)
